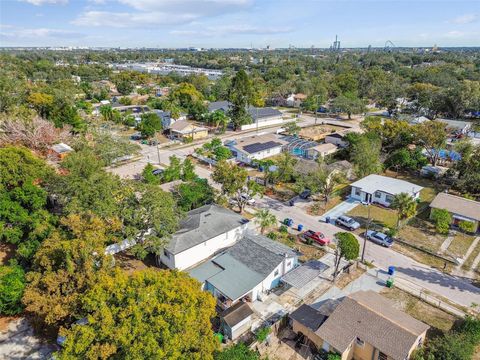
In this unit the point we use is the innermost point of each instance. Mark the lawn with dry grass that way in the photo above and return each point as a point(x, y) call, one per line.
point(438, 319)
point(319, 207)
point(421, 257)
point(460, 244)
point(469, 262)
point(346, 278)
point(379, 216)
point(422, 233)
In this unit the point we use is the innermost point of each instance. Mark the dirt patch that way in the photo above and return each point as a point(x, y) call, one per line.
point(7, 251)
point(319, 132)
point(319, 208)
point(131, 264)
point(347, 278)
point(439, 320)
point(5, 321)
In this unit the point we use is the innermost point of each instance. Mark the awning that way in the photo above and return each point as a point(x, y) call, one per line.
point(302, 275)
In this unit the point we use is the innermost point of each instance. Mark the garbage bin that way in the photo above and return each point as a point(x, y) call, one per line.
point(327, 219)
point(389, 283)
point(391, 270)
point(300, 227)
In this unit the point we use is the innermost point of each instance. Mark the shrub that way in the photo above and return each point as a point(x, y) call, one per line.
point(12, 284)
point(442, 219)
point(272, 235)
point(467, 226)
point(283, 229)
point(263, 333)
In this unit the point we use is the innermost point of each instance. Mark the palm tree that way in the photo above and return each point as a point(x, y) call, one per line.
point(107, 112)
point(265, 219)
point(405, 205)
point(219, 119)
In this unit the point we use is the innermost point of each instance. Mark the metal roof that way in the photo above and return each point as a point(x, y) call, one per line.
point(302, 275)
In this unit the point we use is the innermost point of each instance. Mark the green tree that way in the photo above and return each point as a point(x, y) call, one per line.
point(365, 154)
point(469, 172)
point(442, 219)
point(24, 219)
point(222, 153)
point(265, 219)
point(219, 119)
point(467, 226)
point(240, 96)
point(188, 170)
point(173, 171)
point(41, 102)
point(405, 205)
point(168, 317)
point(235, 183)
point(149, 125)
point(107, 112)
point(148, 176)
point(347, 248)
point(188, 98)
point(432, 136)
point(193, 194)
point(237, 352)
point(292, 128)
point(285, 167)
point(349, 103)
point(322, 180)
point(12, 285)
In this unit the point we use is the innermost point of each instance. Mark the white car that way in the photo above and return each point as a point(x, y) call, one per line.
point(347, 222)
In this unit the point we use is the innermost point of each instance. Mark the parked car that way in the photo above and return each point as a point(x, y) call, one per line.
point(158, 171)
point(348, 222)
point(379, 238)
point(316, 236)
point(305, 194)
point(136, 136)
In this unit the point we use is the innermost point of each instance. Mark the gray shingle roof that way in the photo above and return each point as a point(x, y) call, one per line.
point(260, 112)
point(309, 317)
point(203, 224)
point(372, 318)
point(457, 205)
point(218, 105)
point(235, 314)
point(243, 266)
point(260, 253)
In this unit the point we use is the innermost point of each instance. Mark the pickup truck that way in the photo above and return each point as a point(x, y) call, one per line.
point(316, 236)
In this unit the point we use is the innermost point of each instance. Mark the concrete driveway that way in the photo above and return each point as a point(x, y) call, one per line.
point(342, 208)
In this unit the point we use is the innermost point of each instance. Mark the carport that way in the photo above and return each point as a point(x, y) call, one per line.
point(302, 275)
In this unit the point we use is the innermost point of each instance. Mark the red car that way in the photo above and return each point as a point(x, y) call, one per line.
point(316, 236)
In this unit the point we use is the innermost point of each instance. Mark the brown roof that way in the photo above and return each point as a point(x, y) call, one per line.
point(182, 125)
point(457, 205)
point(370, 317)
point(235, 314)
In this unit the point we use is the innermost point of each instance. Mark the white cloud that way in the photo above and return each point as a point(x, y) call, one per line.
point(465, 19)
point(43, 2)
point(148, 13)
point(125, 19)
point(26, 33)
point(455, 34)
point(231, 30)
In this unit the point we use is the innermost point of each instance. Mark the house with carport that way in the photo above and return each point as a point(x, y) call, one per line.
point(377, 189)
point(361, 326)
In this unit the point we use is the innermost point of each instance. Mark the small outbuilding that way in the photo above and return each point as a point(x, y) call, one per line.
point(236, 320)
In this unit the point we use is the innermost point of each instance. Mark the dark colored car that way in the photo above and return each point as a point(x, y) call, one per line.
point(157, 171)
point(379, 238)
point(305, 194)
point(316, 236)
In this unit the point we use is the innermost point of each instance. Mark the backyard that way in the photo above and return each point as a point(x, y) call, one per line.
point(318, 132)
point(439, 320)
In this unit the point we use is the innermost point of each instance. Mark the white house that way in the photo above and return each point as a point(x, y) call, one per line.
point(381, 189)
point(245, 271)
point(255, 147)
point(202, 233)
point(322, 150)
point(236, 320)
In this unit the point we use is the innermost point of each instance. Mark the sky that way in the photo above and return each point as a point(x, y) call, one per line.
point(238, 23)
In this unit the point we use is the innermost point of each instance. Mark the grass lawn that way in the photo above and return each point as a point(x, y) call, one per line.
point(309, 252)
point(421, 256)
point(380, 216)
point(438, 319)
point(468, 263)
point(460, 244)
point(421, 232)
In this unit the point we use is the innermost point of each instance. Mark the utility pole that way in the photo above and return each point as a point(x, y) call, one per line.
point(158, 154)
point(367, 204)
point(256, 108)
point(316, 108)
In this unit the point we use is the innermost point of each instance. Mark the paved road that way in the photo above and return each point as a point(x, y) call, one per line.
point(453, 288)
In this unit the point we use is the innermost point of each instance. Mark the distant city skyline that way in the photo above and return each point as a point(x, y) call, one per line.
point(238, 23)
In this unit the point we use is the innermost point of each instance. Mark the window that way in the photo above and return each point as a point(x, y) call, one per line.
point(389, 198)
point(360, 342)
point(357, 191)
point(275, 273)
point(378, 194)
point(382, 356)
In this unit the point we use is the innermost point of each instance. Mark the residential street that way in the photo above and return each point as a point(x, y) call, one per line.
point(453, 288)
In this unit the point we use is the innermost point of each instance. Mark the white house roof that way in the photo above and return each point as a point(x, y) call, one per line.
point(372, 183)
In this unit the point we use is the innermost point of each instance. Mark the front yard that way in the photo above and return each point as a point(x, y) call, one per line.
point(460, 244)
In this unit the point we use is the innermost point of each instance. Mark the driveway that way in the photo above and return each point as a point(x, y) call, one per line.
point(342, 208)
